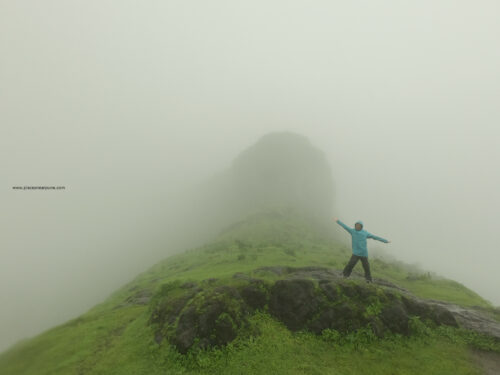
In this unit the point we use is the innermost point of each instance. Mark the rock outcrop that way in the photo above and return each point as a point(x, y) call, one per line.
point(199, 315)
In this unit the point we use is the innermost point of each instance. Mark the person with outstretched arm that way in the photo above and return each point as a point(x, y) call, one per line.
point(359, 251)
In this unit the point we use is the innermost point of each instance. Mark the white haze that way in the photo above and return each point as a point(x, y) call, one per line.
point(129, 104)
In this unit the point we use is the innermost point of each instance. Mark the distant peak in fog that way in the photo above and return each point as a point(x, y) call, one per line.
point(281, 169)
point(284, 168)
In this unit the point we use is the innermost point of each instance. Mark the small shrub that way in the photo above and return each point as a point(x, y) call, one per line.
point(358, 338)
point(373, 309)
point(331, 335)
point(419, 328)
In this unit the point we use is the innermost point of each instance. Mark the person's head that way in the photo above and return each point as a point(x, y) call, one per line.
point(358, 225)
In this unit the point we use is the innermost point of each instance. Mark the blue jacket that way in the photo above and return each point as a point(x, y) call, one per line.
point(359, 238)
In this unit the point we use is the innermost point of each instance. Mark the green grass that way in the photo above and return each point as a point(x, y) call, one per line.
point(278, 351)
point(105, 340)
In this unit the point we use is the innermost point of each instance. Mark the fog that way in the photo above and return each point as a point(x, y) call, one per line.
point(133, 105)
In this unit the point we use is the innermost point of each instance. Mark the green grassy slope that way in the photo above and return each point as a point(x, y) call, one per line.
point(114, 337)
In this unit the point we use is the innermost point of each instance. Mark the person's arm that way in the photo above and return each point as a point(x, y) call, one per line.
point(344, 226)
point(370, 235)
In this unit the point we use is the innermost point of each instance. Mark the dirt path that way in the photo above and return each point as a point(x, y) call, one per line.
point(488, 361)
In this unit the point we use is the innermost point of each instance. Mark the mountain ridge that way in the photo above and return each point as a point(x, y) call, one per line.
point(119, 329)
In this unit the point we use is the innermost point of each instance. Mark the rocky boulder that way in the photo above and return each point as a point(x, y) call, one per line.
point(199, 315)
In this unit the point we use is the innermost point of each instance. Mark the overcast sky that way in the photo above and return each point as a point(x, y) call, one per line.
point(128, 103)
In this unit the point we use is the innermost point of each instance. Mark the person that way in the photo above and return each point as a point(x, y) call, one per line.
point(359, 251)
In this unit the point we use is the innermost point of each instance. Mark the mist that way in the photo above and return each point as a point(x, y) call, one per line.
point(133, 107)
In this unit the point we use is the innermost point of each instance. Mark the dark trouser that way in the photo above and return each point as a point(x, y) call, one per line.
point(352, 262)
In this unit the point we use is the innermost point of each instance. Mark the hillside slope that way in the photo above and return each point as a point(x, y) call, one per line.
point(145, 327)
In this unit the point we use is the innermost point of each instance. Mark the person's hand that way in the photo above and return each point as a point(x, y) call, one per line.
point(388, 241)
point(335, 219)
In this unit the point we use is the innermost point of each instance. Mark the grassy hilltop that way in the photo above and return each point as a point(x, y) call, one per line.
point(118, 336)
